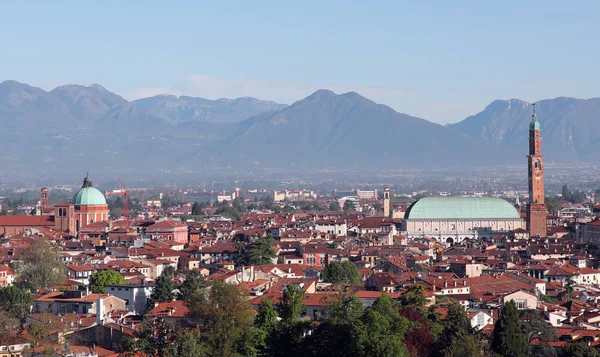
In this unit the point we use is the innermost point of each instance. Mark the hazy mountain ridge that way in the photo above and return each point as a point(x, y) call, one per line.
point(85, 128)
point(183, 109)
point(570, 127)
point(348, 129)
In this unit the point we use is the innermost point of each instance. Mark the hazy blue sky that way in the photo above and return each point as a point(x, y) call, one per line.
point(439, 60)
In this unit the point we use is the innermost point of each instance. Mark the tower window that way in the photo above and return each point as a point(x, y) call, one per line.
point(538, 165)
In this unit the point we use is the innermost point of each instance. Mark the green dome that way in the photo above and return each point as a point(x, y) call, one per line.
point(461, 208)
point(88, 195)
point(534, 125)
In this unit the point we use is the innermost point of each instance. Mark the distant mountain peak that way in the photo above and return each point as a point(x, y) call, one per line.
point(98, 87)
point(321, 93)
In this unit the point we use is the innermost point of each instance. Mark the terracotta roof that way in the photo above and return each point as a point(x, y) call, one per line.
point(174, 308)
point(26, 221)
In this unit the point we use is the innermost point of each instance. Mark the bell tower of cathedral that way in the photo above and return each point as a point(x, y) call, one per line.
point(536, 209)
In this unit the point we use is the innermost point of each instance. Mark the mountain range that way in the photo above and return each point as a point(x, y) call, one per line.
point(75, 128)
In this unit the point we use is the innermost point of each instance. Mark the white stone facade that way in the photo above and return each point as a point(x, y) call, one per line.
point(452, 231)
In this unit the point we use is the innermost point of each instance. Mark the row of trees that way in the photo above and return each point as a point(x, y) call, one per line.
point(223, 325)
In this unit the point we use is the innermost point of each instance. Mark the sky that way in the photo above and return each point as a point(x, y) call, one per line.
point(438, 60)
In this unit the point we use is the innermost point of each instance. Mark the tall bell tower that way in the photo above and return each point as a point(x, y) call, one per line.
point(536, 209)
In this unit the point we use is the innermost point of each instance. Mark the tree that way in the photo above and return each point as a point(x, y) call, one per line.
point(535, 326)
point(386, 329)
point(341, 331)
point(229, 212)
point(414, 296)
point(260, 251)
point(102, 278)
point(457, 339)
point(287, 339)
point(194, 282)
point(266, 318)
point(154, 339)
point(341, 272)
point(335, 206)
point(163, 290)
point(290, 305)
point(464, 346)
point(348, 206)
point(456, 324)
point(41, 342)
point(597, 195)
point(553, 204)
point(15, 301)
point(566, 192)
point(225, 321)
point(508, 339)
point(9, 324)
point(41, 266)
point(169, 201)
point(570, 287)
point(578, 349)
point(196, 209)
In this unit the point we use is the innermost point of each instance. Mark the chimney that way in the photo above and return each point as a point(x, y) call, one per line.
point(99, 311)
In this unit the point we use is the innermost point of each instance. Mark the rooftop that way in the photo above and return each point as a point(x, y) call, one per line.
point(461, 208)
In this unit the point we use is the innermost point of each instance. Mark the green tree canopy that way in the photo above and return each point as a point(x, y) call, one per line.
point(553, 204)
point(163, 290)
point(348, 206)
point(225, 321)
point(102, 278)
point(335, 206)
point(508, 339)
point(341, 332)
point(578, 349)
point(41, 266)
point(414, 296)
point(260, 251)
point(194, 282)
point(15, 301)
point(229, 212)
point(196, 209)
point(386, 329)
point(341, 272)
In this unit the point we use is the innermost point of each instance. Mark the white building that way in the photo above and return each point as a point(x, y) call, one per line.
point(135, 296)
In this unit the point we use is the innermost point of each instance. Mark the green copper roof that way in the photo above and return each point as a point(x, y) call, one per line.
point(88, 195)
point(534, 125)
point(461, 208)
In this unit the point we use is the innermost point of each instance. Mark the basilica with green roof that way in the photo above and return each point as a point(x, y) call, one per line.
point(450, 220)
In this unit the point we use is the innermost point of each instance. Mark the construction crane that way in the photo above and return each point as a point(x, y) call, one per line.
point(122, 192)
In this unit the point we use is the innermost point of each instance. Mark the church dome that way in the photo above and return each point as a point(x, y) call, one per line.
point(88, 195)
point(461, 208)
